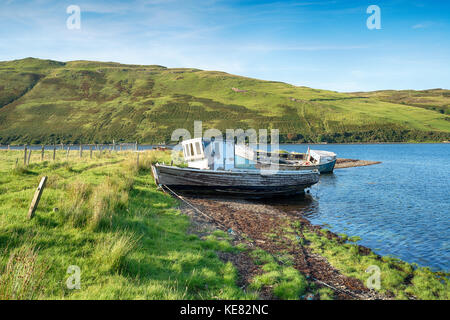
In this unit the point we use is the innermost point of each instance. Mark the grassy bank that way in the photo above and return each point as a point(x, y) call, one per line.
point(106, 217)
point(398, 279)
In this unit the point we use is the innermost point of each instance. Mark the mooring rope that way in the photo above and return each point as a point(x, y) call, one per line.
point(253, 243)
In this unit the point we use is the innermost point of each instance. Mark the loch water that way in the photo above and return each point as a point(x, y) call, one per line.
point(400, 207)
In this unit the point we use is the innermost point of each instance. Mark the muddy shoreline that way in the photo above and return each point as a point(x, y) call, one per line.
point(260, 225)
point(350, 163)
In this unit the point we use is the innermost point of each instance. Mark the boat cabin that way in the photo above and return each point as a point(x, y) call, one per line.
point(212, 154)
point(322, 157)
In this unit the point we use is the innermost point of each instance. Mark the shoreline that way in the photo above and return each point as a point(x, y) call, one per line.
point(5, 146)
point(342, 163)
point(356, 143)
point(281, 230)
point(252, 224)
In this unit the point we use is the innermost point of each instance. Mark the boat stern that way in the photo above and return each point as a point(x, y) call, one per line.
point(155, 174)
point(327, 167)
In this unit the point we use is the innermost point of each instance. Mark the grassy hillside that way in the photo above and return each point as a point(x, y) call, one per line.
point(433, 99)
point(45, 101)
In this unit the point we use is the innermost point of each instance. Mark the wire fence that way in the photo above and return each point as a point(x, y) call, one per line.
point(58, 152)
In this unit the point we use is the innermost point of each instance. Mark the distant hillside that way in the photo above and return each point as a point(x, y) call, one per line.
point(44, 101)
point(433, 99)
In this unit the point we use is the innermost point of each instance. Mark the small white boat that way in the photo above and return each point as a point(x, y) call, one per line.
point(323, 161)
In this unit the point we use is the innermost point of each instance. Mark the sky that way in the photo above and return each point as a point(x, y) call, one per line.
point(321, 44)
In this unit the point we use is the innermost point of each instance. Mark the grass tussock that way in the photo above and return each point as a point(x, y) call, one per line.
point(23, 276)
point(111, 253)
point(21, 170)
point(75, 205)
point(286, 282)
point(108, 199)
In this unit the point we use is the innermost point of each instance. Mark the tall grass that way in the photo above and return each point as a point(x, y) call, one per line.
point(110, 254)
point(22, 278)
point(126, 237)
point(75, 203)
point(107, 199)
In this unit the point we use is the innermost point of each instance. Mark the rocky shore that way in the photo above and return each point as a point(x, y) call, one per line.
point(350, 163)
point(261, 225)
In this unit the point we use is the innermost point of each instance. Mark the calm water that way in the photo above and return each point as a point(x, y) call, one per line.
point(400, 207)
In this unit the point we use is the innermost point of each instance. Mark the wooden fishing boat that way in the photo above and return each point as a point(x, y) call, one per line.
point(248, 183)
point(323, 161)
point(208, 172)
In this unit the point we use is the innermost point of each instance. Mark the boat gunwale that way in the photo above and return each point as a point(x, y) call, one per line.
point(243, 171)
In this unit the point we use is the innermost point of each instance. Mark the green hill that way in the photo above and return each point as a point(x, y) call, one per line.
point(43, 101)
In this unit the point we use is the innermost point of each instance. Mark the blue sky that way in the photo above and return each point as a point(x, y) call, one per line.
point(320, 44)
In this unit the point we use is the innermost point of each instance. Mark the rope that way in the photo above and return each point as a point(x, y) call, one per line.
point(192, 206)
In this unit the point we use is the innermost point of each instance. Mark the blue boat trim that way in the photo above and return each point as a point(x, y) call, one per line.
point(327, 167)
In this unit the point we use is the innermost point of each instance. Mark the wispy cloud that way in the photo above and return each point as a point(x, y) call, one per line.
point(270, 47)
point(427, 24)
point(324, 44)
point(420, 26)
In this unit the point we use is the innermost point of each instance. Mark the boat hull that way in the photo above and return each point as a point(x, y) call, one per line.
point(286, 161)
point(245, 183)
point(322, 168)
point(327, 167)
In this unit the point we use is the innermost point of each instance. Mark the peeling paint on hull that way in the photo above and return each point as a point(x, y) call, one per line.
point(247, 183)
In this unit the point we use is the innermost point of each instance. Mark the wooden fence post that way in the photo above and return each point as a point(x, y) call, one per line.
point(29, 156)
point(54, 152)
point(42, 153)
point(136, 148)
point(25, 155)
point(37, 197)
point(68, 150)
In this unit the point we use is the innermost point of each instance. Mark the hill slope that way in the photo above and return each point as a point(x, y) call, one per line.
point(43, 101)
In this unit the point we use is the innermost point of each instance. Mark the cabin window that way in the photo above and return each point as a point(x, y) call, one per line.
point(217, 150)
point(198, 149)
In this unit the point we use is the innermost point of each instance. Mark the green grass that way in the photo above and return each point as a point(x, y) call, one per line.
point(285, 281)
point(105, 216)
point(397, 277)
point(434, 99)
point(44, 101)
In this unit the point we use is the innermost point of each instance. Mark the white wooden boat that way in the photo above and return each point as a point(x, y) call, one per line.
point(208, 171)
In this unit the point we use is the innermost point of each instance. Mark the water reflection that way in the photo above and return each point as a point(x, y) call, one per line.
point(305, 204)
